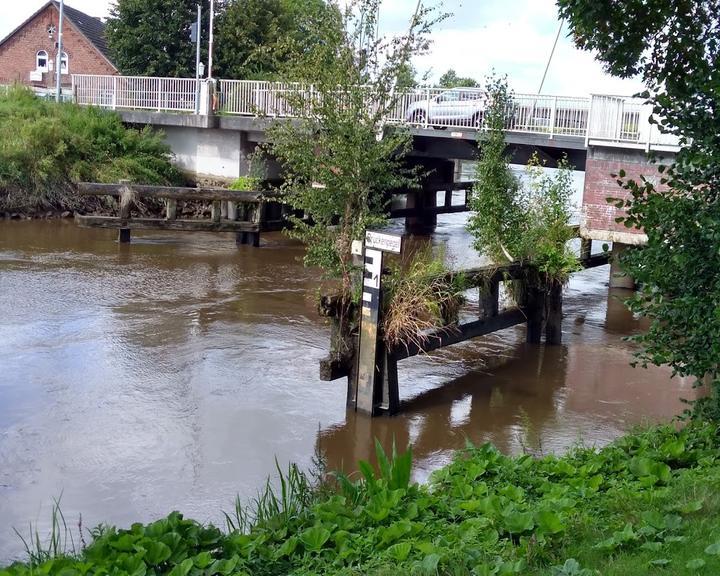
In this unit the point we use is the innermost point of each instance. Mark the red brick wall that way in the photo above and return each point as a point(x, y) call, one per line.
point(17, 55)
point(599, 216)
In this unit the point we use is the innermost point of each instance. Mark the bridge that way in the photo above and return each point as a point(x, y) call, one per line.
point(214, 126)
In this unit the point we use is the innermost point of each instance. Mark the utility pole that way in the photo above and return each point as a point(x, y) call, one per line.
point(196, 36)
point(58, 72)
point(197, 41)
point(212, 37)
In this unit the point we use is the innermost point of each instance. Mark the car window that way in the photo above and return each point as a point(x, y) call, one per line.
point(450, 96)
point(471, 95)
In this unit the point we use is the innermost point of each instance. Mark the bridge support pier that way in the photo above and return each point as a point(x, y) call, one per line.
point(424, 201)
point(618, 279)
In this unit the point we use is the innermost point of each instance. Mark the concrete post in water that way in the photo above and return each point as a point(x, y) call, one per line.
point(373, 390)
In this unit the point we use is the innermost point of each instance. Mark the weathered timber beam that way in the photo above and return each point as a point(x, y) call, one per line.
point(447, 337)
point(401, 212)
point(451, 186)
point(595, 260)
point(170, 192)
point(162, 224)
point(333, 369)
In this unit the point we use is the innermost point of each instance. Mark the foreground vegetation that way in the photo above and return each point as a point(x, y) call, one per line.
point(45, 147)
point(646, 504)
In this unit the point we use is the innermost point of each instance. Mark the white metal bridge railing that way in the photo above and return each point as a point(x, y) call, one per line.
point(137, 92)
point(611, 120)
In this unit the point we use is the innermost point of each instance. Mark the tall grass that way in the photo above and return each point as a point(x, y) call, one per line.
point(45, 147)
point(59, 542)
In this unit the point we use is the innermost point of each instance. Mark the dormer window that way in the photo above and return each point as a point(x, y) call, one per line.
point(64, 63)
point(41, 61)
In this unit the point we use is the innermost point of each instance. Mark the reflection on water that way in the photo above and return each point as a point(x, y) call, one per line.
point(169, 374)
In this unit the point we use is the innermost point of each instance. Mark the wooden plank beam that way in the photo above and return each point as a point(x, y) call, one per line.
point(442, 338)
point(171, 192)
point(162, 224)
point(401, 212)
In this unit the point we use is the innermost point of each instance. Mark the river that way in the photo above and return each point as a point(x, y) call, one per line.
point(171, 373)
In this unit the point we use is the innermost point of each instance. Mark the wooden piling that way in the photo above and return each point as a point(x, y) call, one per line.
point(534, 307)
point(553, 322)
point(171, 209)
point(585, 248)
point(216, 210)
point(390, 388)
point(126, 201)
point(490, 298)
point(232, 210)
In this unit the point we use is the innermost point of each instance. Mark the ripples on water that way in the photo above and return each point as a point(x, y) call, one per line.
point(169, 374)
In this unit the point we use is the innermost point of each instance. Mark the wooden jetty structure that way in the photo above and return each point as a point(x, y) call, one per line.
point(373, 386)
point(246, 213)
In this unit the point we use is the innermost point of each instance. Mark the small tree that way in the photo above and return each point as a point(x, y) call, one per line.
point(255, 38)
point(674, 46)
point(340, 164)
point(451, 80)
point(512, 222)
point(152, 37)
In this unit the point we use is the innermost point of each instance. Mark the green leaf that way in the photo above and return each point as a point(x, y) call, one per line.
point(288, 547)
point(400, 551)
point(519, 522)
point(315, 538)
point(695, 564)
point(659, 562)
point(156, 553)
point(549, 522)
point(713, 549)
point(182, 569)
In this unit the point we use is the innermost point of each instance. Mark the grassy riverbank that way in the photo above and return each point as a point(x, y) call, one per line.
point(45, 147)
point(647, 504)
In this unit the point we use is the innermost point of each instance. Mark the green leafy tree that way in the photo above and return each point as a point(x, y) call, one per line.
point(152, 37)
point(451, 80)
point(407, 77)
point(674, 46)
point(339, 162)
point(257, 37)
point(512, 222)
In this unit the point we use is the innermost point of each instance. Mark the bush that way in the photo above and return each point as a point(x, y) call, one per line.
point(420, 295)
point(45, 147)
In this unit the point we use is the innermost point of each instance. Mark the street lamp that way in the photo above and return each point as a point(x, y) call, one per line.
point(212, 36)
point(58, 72)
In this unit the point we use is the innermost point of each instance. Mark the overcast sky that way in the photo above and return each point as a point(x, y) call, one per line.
point(514, 37)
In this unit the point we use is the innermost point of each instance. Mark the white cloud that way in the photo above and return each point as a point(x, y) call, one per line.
point(514, 37)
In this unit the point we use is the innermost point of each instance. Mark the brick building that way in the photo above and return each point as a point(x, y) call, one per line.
point(28, 55)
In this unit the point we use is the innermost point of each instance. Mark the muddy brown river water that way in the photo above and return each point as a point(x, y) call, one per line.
point(171, 373)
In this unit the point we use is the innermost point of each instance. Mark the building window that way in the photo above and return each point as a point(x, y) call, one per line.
point(41, 61)
point(64, 63)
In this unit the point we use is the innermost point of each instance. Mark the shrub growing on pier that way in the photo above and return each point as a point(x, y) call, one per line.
point(45, 147)
point(516, 222)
